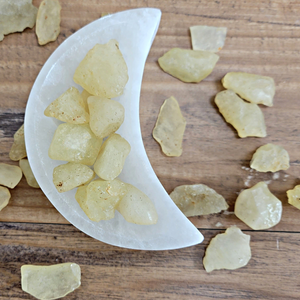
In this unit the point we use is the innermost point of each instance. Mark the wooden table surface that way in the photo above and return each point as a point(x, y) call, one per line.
point(264, 38)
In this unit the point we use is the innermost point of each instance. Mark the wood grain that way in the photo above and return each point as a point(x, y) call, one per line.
point(264, 38)
point(113, 273)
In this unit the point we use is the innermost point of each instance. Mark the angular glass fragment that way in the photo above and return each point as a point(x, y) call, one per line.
point(103, 72)
point(294, 196)
point(254, 88)
point(75, 143)
point(137, 208)
point(111, 158)
point(258, 207)
point(270, 158)
point(84, 95)
point(26, 169)
point(198, 200)
point(18, 150)
point(230, 250)
point(208, 38)
point(106, 116)
point(4, 197)
point(10, 175)
point(48, 21)
point(246, 118)
point(69, 107)
point(68, 176)
point(169, 128)
point(188, 65)
point(100, 198)
point(16, 15)
point(50, 282)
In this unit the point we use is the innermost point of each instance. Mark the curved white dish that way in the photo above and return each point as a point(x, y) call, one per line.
point(135, 30)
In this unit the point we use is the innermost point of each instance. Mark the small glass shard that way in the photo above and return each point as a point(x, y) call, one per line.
point(254, 88)
point(258, 207)
point(198, 200)
point(107, 81)
point(16, 15)
point(208, 38)
point(48, 21)
point(50, 282)
point(270, 158)
point(188, 65)
point(246, 118)
point(26, 169)
point(10, 175)
point(4, 197)
point(230, 250)
point(18, 150)
point(170, 127)
point(69, 107)
point(294, 196)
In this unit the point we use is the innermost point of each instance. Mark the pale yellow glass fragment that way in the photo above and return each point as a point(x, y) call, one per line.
point(4, 197)
point(254, 88)
point(111, 158)
point(69, 107)
point(230, 250)
point(10, 175)
point(75, 143)
point(48, 21)
point(50, 282)
point(246, 118)
point(100, 198)
point(137, 208)
point(198, 200)
point(188, 65)
point(16, 15)
point(270, 158)
point(208, 38)
point(294, 196)
point(258, 207)
point(103, 14)
point(169, 128)
point(18, 150)
point(26, 169)
point(68, 176)
point(103, 72)
point(106, 115)
point(84, 95)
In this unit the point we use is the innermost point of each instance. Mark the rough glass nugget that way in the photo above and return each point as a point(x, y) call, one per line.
point(246, 118)
point(100, 198)
point(208, 38)
point(294, 196)
point(50, 282)
point(188, 65)
point(48, 21)
point(16, 15)
point(69, 107)
point(254, 88)
point(106, 116)
point(75, 143)
point(137, 208)
point(270, 158)
point(26, 169)
point(198, 200)
point(170, 127)
point(4, 197)
point(111, 158)
point(230, 250)
point(84, 95)
point(103, 72)
point(258, 207)
point(70, 175)
point(10, 175)
point(18, 150)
